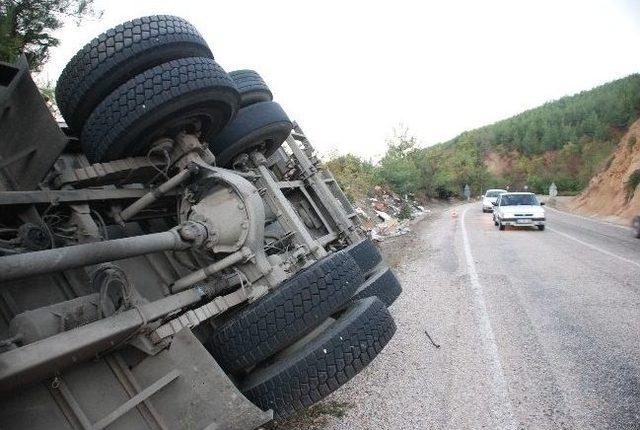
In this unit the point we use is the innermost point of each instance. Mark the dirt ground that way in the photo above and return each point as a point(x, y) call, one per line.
point(611, 193)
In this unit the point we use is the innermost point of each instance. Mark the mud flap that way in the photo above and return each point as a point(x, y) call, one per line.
point(31, 138)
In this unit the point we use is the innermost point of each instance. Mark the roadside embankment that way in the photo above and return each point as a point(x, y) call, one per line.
point(613, 194)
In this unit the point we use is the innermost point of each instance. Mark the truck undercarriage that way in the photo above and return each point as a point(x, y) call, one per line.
point(177, 257)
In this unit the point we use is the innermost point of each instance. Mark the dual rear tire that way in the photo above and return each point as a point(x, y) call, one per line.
point(190, 94)
point(119, 54)
point(312, 334)
point(154, 77)
point(292, 310)
point(350, 342)
point(260, 124)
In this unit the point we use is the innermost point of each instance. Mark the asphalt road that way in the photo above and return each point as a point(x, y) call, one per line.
point(536, 329)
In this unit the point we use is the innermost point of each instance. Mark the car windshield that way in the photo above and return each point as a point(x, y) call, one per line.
point(494, 193)
point(518, 200)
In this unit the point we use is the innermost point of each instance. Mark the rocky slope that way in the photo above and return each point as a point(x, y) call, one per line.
point(613, 192)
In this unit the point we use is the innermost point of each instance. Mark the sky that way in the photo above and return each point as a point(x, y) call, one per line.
point(350, 72)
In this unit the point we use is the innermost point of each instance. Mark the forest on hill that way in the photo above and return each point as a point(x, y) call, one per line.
point(566, 141)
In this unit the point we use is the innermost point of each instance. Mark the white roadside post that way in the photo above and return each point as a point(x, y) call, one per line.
point(553, 192)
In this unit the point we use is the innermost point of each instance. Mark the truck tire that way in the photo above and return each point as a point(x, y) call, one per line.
point(185, 94)
point(383, 284)
point(260, 124)
point(328, 361)
point(366, 255)
point(117, 55)
point(282, 317)
point(252, 87)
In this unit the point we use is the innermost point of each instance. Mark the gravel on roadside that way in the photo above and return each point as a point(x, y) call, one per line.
point(396, 390)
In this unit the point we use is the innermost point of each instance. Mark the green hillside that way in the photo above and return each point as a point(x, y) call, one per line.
point(565, 141)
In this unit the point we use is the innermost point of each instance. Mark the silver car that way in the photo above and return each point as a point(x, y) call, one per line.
point(489, 198)
point(518, 209)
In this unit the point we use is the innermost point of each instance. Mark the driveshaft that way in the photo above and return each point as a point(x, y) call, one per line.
point(55, 260)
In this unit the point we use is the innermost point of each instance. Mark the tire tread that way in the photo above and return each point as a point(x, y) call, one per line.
point(141, 95)
point(251, 86)
point(383, 284)
point(328, 362)
point(366, 254)
point(285, 315)
point(110, 54)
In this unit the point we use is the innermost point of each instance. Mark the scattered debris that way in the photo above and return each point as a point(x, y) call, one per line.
point(386, 214)
point(431, 340)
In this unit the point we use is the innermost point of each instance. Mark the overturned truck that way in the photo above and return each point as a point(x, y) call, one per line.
point(173, 255)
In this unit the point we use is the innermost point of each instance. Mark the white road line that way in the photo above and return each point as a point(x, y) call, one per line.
point(502, 410)
point(595, 220)
point(596, 248)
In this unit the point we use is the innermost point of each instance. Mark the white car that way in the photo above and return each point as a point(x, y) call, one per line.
point(518, 209)
point(489, 198)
